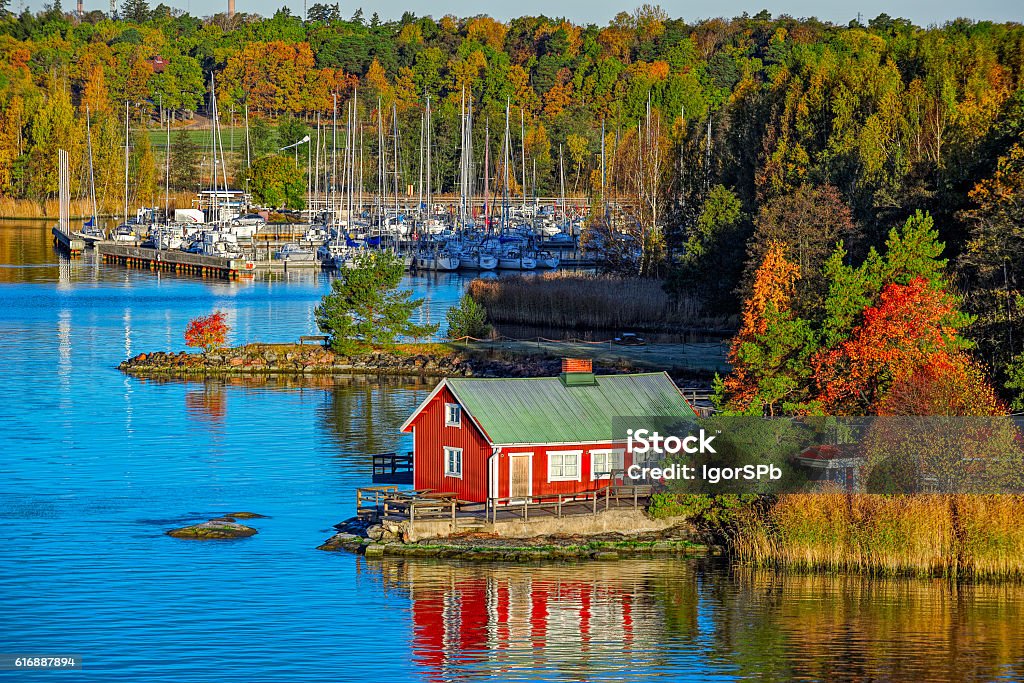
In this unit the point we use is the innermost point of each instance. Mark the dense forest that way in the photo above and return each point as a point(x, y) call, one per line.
point(736, 147)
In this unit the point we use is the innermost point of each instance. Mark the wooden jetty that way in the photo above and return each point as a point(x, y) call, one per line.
point(174, 260)
point(68, 242)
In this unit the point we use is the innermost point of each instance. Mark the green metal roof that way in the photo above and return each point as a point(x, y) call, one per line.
point(545, 410)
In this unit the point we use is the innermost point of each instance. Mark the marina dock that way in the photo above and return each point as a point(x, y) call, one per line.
point(67, 242)
point(173, 260)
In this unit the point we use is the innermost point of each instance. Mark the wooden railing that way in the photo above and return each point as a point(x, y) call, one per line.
point(599, 498)
point(370, 499)
point(392, 468)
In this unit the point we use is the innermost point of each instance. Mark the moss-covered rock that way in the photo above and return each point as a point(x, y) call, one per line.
point(213, 529)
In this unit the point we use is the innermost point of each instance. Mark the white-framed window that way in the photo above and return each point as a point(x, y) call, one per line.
point(605, 460)
point(564, 465)
point(452, 415)
point(452, 462)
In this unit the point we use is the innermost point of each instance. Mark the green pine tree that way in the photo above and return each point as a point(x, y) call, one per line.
point(468, 319)
point(365, 308)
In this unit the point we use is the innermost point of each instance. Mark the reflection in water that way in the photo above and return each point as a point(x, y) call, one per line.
point(64, 358)
point(207, 404)
point(636, 619)
point(815, 627)
point(586, 621)
point(364, 413)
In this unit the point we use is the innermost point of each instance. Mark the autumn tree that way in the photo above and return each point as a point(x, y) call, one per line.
point(184, 162)
point(911, 327)
point(954, 386)
point(207, 332)
point(994, 260)
point(770, 353)
point(810, 221)
point(143, 164)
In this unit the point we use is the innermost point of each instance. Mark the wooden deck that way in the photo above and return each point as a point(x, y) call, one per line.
point(387, 502)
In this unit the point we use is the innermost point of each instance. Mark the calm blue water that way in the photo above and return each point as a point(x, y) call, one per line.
point(95, 466)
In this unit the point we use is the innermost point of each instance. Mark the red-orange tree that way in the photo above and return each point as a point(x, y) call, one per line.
point(910, 327)
point(207, 332)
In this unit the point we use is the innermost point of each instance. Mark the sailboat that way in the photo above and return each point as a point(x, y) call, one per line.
point(126, 231)
point(91, 229)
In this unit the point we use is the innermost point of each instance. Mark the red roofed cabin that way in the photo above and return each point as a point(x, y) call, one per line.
point(542, 436)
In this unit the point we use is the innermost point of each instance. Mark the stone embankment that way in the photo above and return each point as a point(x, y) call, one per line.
point(380, 540)
point(255, 359)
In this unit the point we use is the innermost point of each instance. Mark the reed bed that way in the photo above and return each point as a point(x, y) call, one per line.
point(111, 206)
point(567, 300)
point(955, 536)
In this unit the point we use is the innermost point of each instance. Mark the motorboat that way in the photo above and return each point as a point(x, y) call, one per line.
point(294, 252)
point(125, 232)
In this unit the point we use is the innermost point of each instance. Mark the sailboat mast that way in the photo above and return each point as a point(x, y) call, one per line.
point(522, 143)
point(333, 174)
point(126, 161)
point(92, 175)
point(167, 172)
point(429, 202)
point(394, 123)
point(561, 181)
point(505, 160)
point(487, 174)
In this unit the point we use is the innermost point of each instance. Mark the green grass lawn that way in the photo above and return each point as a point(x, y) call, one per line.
point(230, 137)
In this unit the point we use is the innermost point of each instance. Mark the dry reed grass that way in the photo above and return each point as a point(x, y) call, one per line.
point(587, 301)
point(954, 536)
point(49, 208)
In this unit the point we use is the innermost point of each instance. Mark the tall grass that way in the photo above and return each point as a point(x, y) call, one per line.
point(110, 206)
point(956, 536)
point(587, 301)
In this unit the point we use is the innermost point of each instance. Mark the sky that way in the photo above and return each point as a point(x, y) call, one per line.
point(921, 12)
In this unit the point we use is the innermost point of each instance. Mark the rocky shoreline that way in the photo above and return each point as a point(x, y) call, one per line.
point(377, 541)
point(295, 359)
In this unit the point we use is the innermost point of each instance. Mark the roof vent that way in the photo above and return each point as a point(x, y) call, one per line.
point(577, 372)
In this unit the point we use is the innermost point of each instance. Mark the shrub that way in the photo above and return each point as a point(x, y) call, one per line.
point(207, 332)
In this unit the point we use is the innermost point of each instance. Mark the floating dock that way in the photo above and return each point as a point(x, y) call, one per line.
point(173, 260)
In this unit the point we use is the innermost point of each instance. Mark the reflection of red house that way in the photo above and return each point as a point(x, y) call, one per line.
point(518, 622)
point(543, 436)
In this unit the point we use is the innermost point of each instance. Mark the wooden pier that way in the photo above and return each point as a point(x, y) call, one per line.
point(173, 260)
point(67, 242)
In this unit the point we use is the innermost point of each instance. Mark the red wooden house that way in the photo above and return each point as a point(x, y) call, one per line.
point(542, 436)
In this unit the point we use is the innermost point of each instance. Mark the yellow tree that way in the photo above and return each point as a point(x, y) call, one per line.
point(144, 166)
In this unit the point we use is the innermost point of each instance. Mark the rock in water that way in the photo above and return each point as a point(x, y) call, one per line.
point(245, 515)
point(214, 529)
